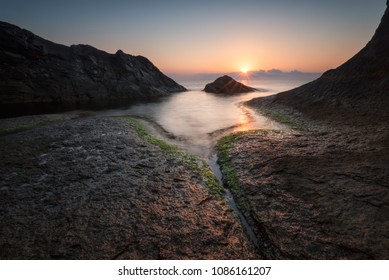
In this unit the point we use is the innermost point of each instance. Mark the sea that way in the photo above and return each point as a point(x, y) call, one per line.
point(198, 119)
point(194, 118)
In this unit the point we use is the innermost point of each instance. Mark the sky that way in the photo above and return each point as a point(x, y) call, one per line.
point(208, 36)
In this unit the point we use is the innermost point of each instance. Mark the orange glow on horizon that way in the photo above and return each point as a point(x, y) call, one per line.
point(229, 62)
point(287, 45)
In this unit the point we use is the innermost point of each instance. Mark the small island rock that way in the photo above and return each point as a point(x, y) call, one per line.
point(227, 85)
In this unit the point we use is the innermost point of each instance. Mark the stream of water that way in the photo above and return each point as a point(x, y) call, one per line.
point(231, 201)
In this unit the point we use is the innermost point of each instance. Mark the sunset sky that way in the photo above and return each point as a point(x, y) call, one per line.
point(208, 36)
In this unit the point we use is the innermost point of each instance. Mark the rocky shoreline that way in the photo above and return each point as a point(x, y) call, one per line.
point(321, 190)
point(102, 188)
point(78, 186)
point(87, 187)
point(318, 191)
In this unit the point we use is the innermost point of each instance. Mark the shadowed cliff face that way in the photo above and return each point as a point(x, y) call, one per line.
point(33, 69)
point(359, 87)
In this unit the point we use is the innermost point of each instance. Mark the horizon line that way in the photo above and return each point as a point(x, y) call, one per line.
point(273, 71)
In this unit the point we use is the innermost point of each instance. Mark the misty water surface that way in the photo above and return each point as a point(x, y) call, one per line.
point(198, 119)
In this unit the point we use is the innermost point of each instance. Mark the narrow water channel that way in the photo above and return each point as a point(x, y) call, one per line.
point(204, 147)
point(231, 201)
point(212, 161)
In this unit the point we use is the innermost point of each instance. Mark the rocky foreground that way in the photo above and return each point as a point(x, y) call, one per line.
point(91, 188)
point(320, 191)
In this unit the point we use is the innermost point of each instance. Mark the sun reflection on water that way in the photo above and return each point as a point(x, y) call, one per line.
point(245, 121)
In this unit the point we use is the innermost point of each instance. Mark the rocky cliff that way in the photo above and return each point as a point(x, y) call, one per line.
point(359, 87)
point(33, 69)
point(227, 85)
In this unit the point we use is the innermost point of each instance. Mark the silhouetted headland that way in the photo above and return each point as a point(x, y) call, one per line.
point(356, 90)
point(36, 70)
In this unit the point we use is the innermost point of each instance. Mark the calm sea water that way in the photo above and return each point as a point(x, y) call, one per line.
point(198, 119)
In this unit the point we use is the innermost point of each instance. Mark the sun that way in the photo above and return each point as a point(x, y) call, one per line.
point(245, 70)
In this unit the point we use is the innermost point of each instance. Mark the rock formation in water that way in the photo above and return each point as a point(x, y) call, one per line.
point(359, 87)
point(227, 85)
point(33, 69)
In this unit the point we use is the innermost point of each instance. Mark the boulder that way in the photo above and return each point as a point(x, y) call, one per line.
point(227, 85)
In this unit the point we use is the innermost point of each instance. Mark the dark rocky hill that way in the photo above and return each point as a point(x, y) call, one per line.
point(33, 69)
point(227, 85)
point(358, 88)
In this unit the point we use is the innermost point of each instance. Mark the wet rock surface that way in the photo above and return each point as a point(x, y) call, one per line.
point(320, 193)
point(92, 189)
point(34, 70)
point(227, 85)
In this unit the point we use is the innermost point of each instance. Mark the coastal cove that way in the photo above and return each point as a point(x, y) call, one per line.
point(81, 133)
point(106, 157)
point(195, 120)
point(65, 168)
